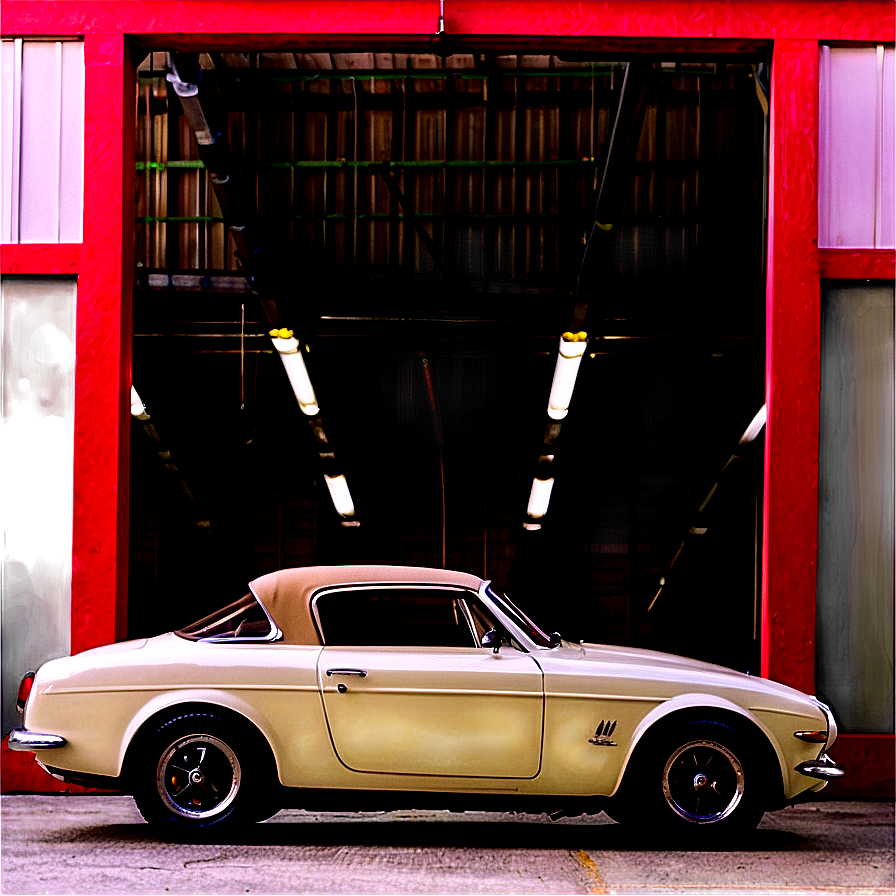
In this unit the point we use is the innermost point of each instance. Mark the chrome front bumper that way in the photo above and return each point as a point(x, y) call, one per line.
point(30, 741)
point(824, 767)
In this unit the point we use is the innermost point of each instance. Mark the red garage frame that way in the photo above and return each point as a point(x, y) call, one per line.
point(103, 262)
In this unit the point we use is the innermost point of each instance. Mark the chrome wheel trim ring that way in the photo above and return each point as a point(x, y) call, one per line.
point(222, 756)
point(715, 752)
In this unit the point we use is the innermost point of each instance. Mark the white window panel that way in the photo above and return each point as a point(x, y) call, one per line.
point(887, 204)
point(856, 147)
point(10, 137)
point(71, 181)
point(42, 144)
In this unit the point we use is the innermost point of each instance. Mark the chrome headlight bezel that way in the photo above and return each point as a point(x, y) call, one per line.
point(831, 723)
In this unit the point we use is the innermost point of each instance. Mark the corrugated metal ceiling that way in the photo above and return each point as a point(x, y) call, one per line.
point(496, 156)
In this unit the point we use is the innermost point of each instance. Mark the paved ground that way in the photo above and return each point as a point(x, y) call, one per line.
point(99, 844)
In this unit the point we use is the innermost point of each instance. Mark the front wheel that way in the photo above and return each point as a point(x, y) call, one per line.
point(702, 777)
point(197, 772)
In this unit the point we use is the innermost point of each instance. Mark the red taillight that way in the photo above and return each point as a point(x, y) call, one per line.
point(24, 691)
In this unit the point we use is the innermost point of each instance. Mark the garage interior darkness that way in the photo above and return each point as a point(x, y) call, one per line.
point(430, 295)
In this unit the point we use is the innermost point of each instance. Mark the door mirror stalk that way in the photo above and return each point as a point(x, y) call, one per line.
point(492, 639)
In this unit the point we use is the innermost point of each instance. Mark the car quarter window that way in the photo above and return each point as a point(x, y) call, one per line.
point(243, 620)
point(394, 617)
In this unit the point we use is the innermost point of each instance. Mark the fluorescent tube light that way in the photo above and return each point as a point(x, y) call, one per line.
point(568, 359)
point(138, 409)
point(755, 427)
point(294, 363)
point(342, 499)
point(539, 498)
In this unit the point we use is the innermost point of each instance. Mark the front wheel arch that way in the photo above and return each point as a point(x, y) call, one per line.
point(745, 727)
point(764, 759)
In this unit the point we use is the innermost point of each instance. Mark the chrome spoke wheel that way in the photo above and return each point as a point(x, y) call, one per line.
point(703, 782)
point(198, 777)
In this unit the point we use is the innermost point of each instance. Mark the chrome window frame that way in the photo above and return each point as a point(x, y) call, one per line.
point(525, 642)
point(460, 590)
point(273, 635)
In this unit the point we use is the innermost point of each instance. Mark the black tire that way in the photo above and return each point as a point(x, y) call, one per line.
point(700, 779)
point(198, 772)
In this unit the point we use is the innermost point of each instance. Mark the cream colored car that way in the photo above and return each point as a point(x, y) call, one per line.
point(379, 687)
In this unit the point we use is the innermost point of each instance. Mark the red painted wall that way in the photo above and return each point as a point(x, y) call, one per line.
point(276, 22)
point(103, 371)
point(793, 330)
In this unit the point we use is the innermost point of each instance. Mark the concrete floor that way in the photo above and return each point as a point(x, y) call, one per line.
point(99, 844)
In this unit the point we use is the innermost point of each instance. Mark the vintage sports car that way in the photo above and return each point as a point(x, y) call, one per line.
point(380, 687)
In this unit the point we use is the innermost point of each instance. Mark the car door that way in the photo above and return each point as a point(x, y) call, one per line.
point(407, 690)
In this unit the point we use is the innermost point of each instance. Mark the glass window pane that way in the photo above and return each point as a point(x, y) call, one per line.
point(854, 644)
point(393, 618)
point(36, 475)
point(243, 619)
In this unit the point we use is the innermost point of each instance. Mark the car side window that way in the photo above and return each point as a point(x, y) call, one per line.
point(393, 617)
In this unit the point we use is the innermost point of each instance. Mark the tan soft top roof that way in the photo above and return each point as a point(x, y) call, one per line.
point(287, 594)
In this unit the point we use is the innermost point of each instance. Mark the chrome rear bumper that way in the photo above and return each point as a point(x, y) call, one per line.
point(30, 741)
point(824, 767)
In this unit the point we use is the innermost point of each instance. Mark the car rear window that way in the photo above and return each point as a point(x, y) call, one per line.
point(243, 620)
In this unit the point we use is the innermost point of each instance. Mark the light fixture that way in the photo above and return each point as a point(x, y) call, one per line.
point(138, 409)
point(569, 357)
point(291, 355)
point(755, 427)
point(342, 498)
point(440, 43)
point(539, 498)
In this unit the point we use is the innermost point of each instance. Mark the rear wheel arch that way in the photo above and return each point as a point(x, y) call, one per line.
point(196, 766)
point(245, 727)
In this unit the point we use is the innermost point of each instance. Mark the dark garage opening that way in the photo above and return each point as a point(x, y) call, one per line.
point(432, 365)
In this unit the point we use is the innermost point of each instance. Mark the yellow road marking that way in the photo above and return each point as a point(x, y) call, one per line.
point(592, 872)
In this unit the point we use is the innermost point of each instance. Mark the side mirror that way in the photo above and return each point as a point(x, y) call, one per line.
point(492, 639)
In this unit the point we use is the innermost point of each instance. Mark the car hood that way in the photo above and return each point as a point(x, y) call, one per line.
point(668, 672)
point(638, 656)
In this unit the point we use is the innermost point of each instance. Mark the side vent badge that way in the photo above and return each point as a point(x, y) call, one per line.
point(601, 737)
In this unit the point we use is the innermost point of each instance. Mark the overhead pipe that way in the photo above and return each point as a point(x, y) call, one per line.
point(751, 433)
point(185, 77)
point(610, 196)
point(141, 414)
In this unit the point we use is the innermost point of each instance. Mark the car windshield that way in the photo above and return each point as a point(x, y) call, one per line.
point(243, 619)
point(519, 618)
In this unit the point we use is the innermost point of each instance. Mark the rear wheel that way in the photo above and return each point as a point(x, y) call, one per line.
point(197, 772)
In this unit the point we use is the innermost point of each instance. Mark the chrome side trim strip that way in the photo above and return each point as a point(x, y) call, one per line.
point(781, 712)
point(453, 692)
point(197, 685)
point(616, 698)
point(29, 741)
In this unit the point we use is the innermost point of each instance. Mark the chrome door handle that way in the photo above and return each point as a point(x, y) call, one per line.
point(361, 673)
